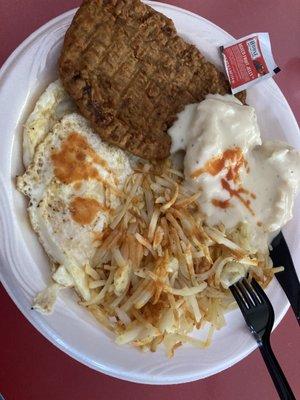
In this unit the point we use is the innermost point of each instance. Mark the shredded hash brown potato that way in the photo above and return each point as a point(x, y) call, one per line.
point(159, 271)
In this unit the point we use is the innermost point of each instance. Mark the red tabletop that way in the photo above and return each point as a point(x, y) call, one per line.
point(31, 367)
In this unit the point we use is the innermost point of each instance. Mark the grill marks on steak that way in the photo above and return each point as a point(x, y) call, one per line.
point(130, 73)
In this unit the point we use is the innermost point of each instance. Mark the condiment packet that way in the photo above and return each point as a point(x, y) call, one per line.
point(248, 61)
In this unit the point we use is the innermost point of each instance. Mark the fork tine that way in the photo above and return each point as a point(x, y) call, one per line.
point(238, 299)
point(265, 300)
point(243, 291)
point(260, 292)
point(252, 294)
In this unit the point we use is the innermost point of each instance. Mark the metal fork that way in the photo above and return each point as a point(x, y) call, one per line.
point(259, 316)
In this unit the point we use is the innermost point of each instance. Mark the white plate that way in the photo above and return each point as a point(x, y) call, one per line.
point(24, 266)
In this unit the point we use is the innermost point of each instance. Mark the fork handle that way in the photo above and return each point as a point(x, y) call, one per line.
point(282, 386)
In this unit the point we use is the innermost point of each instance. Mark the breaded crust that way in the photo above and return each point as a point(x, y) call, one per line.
point(130, 73)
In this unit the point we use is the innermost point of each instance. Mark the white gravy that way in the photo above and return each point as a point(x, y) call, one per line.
point(241, 179)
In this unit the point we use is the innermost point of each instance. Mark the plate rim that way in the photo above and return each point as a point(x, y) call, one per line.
point(49, 333)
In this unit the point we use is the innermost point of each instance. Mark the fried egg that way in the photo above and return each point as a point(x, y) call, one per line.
point(74, 184)
point(52, 105)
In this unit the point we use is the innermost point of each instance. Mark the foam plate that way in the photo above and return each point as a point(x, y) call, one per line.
point(25, 267)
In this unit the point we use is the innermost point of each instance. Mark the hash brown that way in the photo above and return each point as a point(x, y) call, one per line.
point(130, 73)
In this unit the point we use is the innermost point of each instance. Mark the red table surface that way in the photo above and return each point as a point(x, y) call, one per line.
point(31, 367)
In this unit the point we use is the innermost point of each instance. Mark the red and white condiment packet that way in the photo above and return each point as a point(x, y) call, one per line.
point(248, 61)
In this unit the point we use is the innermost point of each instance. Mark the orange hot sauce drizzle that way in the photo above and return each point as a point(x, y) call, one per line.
point(84, 210)
point(233, 160)
point(71, 162)
point(221, 203)
point(237, 193)
point(74, 163)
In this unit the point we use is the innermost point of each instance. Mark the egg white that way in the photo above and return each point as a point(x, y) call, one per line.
point(69, 244)
point(51, 106)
